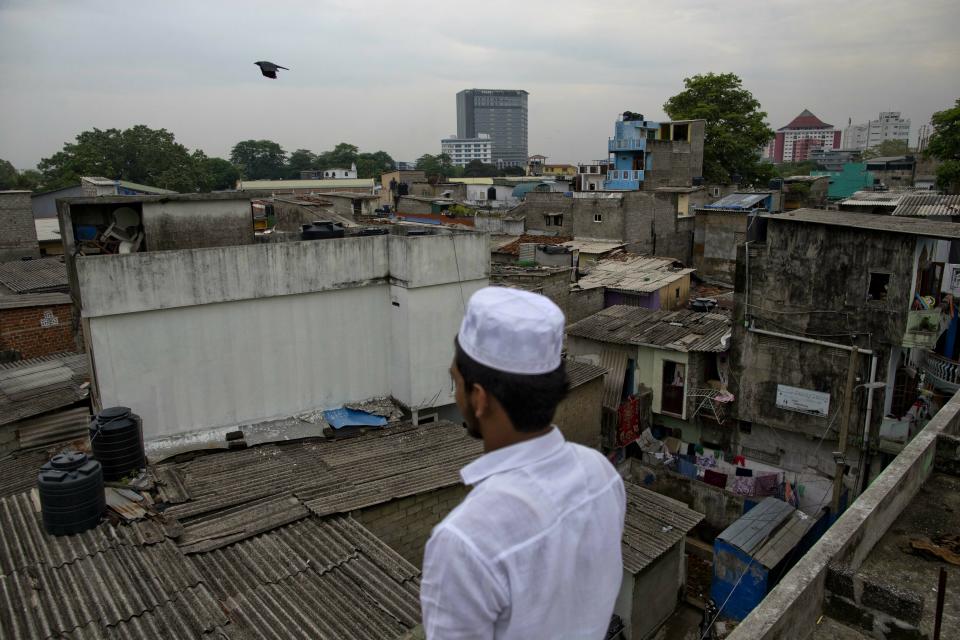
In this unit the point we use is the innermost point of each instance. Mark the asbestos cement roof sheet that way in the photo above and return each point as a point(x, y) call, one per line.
point(768, 532)
point(580, 373)
point(25, 300)
point(639, 274)
point(871, 222)
point(270, 185)
point(654, 523)
point(34, 276)
point(928, 204)
point(329, 476)
point(593, 246)
point(680, 330)
point(744, 201)
point(873, 199)
point(31, 387)
point(48, 229)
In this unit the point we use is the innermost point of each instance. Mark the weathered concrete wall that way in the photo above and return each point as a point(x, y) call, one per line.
point(536, 206)
point(715, 241)
point(19, 236)
point(413, 205)
point(791, 610)
point(676, 163)
point(405, 524)
point(611, 213)
point(575, 305)
point(582, 304)
point(798, 273)
point(657, 591)
point(38, 331)
point(720, 508)
point(181, 224)
point(578, 416)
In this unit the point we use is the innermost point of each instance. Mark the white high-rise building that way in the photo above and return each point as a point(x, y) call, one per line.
point(463, 151)
point(889, 126)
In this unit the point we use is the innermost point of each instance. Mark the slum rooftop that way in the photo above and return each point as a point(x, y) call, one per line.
point(928, 204)
point(39, 275)
point(871, 222)
point(680, 330)
point(633, 274)
point(256, 542)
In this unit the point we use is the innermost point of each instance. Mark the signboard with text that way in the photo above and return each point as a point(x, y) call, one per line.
point(803, 400)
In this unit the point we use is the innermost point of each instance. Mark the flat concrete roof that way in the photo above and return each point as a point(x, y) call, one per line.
point(870, 222)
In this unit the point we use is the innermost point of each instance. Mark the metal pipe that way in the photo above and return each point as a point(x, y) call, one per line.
point(822, 343)
point(941, 593)
point(866, 422)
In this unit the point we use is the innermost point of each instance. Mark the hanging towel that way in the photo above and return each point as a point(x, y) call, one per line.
point(766, 485)
point(714, 478)
point(743, 472)
point(744, 486)
point(687, 468)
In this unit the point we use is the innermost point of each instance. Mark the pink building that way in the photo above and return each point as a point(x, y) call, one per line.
point(806, 132)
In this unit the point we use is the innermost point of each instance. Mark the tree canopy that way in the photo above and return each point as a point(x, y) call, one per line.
point(886, 149)
point(736, 128)
point(944, 145)
point(259, 159)
point(477, 169)
point(440, 166)
point(138, 154)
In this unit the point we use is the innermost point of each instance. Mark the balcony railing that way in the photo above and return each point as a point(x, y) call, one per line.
point(945, 373)
point(626, 144)
point(617, 175)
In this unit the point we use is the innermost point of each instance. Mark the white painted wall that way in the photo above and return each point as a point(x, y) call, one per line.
point(215, 365)
point(207, 338)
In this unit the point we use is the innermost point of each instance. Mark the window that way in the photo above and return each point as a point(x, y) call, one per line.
point(598, 217)
point(672, 391)
point(878, 286)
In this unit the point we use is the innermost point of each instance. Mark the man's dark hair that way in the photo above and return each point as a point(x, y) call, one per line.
point(529, 400)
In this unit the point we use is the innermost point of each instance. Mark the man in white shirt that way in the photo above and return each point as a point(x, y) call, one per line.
point(534, 549)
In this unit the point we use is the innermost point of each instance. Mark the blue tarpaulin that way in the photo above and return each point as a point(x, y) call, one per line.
point(339, 418)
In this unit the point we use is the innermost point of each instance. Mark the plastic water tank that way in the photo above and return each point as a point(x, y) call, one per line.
point(116, 436)
point(71, 493)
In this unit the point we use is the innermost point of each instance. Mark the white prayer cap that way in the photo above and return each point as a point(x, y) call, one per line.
point(512, 331)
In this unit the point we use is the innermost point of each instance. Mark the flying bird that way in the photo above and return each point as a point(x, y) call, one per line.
point(269, 69)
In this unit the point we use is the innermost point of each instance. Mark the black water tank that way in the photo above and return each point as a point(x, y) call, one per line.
point(71, 493)
point(116, 435)
point(373, 232)
point(321, 230)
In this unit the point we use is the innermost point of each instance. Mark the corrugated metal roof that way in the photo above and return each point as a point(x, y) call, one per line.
point(928, 204)
point(680, 330)
point(637, 274)
point(34, 276)
point(653, 524)
point(737, 201)
point(873, 199)
point(615, 362)
point(316, 578)
point(768, 532)
point(48, 229)
point(35, 386)
point(580, 373)
point(268, 185)
point(33, 300)
point(334, 476)
point(872, 222)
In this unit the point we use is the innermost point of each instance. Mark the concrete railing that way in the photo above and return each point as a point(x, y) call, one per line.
point(792, 608)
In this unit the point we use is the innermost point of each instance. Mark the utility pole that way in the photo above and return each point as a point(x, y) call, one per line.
point(840, 455)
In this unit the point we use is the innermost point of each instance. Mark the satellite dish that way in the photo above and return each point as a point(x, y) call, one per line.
point(126, 217)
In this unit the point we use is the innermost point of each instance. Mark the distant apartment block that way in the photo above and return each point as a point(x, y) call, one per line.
point(463, 151)
point(796, 141)
point(499, 113)
point(889, 126)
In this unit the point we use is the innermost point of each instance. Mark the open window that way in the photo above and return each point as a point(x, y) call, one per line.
point(681, 132)
point(672, 390)
point(877, 288)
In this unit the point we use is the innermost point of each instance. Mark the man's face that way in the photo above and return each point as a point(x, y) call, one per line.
point(470, 422)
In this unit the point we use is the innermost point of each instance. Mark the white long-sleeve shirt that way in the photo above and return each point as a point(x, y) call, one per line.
point(534, 549)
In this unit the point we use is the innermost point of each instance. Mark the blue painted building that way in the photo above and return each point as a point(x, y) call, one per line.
point(752, 554)
point(628, 152)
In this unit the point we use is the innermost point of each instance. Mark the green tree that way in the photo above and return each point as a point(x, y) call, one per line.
point(512, 171)
point(259, 159)
point(300, 160)
point(8, 175)
point(30, 179)
point(736, 128)
point(438, 166)
point(886, 149)
point(139, 154)
point(944, 145)
point(340, 157)
point(803, 168)
point(477, 169)
point(373, 165)
point(222, 174)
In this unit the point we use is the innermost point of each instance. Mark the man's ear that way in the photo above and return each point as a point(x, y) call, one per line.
point(480, 400)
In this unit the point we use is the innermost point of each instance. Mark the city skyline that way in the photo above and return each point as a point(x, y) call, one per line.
point(579, 69)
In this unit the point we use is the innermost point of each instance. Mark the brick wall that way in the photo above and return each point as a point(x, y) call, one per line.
point(19, 235)
point(37, 331)
point(405, 524)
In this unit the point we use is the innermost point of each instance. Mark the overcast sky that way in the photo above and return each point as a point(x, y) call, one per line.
point(384, 75)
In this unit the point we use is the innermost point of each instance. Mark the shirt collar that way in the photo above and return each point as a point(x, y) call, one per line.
point(512, 457)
